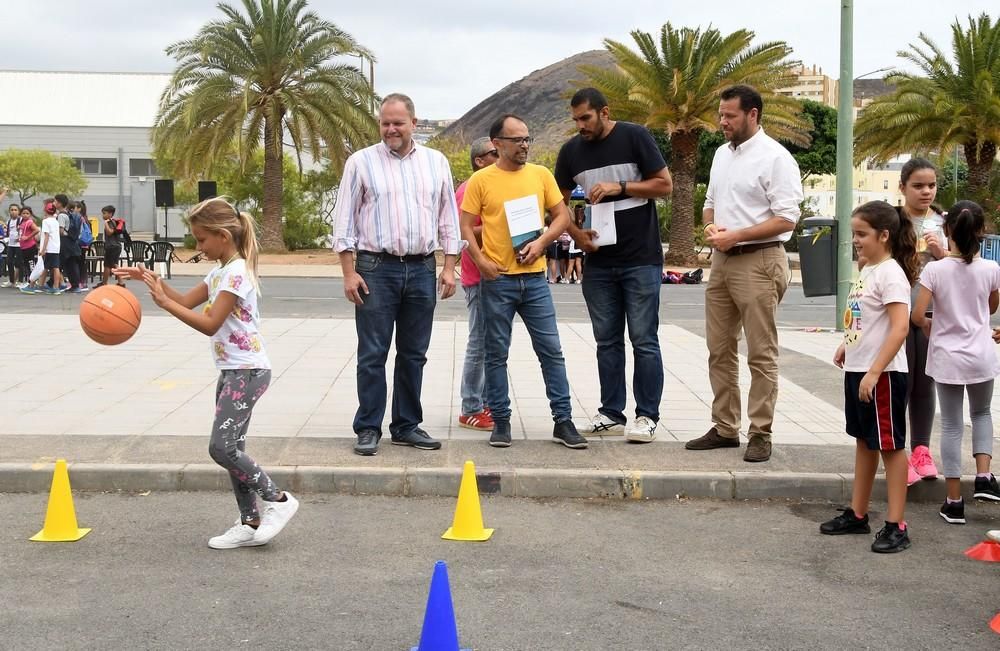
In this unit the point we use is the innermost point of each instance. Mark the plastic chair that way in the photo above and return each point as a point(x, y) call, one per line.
point(159, 252)
point(137, 253)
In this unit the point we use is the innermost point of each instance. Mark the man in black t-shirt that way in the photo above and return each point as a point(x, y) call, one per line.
point(618, 162)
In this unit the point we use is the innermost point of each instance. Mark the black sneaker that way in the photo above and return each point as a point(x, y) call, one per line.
point(565, 432)
point(953, 512)
point(500, 437)
point(846, 522)
point(891, 539)
point(987, 490)
point(367, 445)
point(416, 438)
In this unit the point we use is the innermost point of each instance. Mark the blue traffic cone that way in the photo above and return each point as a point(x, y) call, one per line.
point(440, 632)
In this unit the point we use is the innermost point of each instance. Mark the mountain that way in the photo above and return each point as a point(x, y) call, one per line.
point(540, 98)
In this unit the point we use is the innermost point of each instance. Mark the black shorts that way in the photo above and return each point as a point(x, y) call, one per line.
point(552, 251)
point(575, 255)
point(881, 423)
point(112, 252)
point(51, 261)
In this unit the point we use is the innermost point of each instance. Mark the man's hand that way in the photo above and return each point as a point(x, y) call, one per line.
point(601, 190)
point(838, 357)
point(721, 239)
point(446, 283)
point(867, 387)
point(927, 327)
point(490, 270)
point(586, 243)
point(354, 284)
point(530, 252)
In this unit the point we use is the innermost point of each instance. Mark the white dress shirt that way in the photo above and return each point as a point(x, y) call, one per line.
point(753, 182)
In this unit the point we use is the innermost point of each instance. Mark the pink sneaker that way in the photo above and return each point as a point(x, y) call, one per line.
point(921, 461)
point(911, 474)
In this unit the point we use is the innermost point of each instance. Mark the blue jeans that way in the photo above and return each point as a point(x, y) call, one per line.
point(473, 373)
point(401, 294)
point(529, 296)
point(616, 295)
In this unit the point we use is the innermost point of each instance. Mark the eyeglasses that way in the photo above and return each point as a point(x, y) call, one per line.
point(492, 152)
point(526, 140)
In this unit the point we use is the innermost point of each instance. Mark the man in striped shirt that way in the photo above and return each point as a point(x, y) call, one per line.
point(395, 208)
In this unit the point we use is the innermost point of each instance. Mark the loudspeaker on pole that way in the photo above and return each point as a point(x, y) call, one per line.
point(164, 190)
point(207, 190)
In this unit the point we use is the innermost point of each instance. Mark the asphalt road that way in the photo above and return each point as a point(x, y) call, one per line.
point(352, 573)
point(324, 298)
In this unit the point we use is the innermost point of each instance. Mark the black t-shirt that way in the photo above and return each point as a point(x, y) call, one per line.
point(628, 153)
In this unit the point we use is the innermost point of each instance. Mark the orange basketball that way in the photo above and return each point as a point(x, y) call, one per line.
point(110, 315)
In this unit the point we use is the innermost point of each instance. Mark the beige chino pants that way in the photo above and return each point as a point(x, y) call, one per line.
point(743, 293)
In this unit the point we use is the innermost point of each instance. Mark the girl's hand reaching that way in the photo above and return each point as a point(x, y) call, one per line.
point(155, 284)
point(130, 273)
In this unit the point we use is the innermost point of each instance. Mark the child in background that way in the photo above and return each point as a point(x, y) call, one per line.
point(875, 326)
point(28, 235)
point(918, 184)
point(49, 254)
point(964, 288)
point(13, 246)
point(231, 319)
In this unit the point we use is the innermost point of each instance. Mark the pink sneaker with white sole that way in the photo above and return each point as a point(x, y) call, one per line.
point(911, 474)
point(922, 463)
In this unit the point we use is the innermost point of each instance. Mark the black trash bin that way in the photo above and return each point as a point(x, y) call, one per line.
point(818, 256)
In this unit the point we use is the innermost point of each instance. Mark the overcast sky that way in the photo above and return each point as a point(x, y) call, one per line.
point(449, 55)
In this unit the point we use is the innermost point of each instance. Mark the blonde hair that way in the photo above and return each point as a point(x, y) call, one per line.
point(216, 215)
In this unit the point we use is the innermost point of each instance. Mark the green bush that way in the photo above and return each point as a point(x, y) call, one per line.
point(303, 230)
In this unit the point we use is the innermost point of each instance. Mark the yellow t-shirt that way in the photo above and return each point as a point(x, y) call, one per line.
point(485, 195)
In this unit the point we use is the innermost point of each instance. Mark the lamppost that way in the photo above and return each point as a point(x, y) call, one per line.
point(845, 156)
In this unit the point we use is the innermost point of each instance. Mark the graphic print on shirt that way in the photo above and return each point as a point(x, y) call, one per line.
point(852, 314)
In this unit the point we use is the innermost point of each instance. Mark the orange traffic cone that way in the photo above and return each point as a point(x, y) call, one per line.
point(987, 551)
point(60, 517)
point(468, 522)
point(995, 623)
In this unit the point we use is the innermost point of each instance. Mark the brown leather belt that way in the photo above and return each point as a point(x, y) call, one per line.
point(750, 248)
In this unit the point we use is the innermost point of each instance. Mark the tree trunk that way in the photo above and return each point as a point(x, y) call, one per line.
point(272, 237)
point(683, 163)
point(980, 167)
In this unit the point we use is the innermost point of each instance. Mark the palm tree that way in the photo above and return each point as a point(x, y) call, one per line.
point(258, 77)
point(675, 87)
point(944, 105)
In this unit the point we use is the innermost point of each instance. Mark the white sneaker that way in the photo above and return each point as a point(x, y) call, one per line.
point(5, 284)
point(239, 535)
point(601, 425)
point(994, 535)
point(274, 517)
point(643, 430)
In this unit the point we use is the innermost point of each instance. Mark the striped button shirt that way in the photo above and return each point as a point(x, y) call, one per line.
point(401, 205)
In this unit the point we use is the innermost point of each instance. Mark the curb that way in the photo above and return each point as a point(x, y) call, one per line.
point(444, 482)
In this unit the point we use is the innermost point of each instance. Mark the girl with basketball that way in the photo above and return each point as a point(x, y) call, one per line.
point(875, 326)
point(965, 290)
point(231, 320)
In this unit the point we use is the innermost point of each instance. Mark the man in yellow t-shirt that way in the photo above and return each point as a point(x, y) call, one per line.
point(504, 195)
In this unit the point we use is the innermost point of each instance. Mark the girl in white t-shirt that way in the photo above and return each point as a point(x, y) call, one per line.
point(876, 322)
point(960, 355)
point(231, 320)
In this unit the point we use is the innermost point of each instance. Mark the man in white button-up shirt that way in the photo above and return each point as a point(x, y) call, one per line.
point(751, 208)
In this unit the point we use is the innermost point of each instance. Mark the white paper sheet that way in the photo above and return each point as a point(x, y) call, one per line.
point(602, 220)
point(523, 215)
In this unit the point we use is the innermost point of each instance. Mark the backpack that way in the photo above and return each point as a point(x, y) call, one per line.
point(75, 226)
point(86, 235)
point(126, 238)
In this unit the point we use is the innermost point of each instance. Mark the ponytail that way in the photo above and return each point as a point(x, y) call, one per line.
point(964, 225)
point(248, 247)
point(904, 248)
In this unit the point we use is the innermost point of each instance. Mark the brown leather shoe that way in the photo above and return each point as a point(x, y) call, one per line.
point(758, 449)
point(711, 441)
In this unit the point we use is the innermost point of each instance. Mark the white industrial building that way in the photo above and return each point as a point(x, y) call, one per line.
point(101, 120)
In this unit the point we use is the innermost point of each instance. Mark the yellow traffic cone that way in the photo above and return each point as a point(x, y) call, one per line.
point(60, 517)
point(468, 522)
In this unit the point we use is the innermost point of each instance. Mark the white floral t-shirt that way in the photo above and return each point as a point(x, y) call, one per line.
point(238, 343)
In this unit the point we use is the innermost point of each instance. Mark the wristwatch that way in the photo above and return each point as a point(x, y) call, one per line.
point(622, 183)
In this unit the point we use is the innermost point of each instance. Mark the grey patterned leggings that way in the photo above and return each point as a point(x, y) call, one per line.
point(235, 395)
point(952, 427)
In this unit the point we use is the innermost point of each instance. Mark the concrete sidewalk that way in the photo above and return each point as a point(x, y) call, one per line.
point(137, 417)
